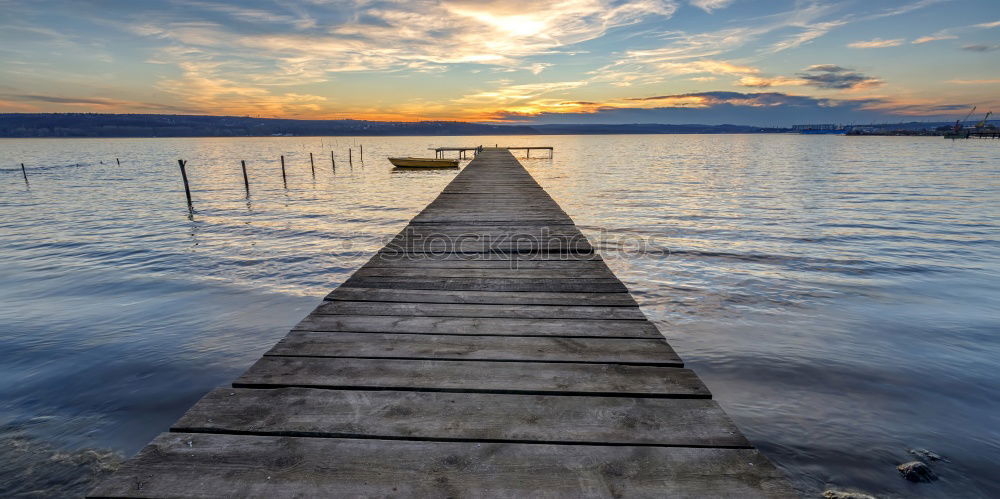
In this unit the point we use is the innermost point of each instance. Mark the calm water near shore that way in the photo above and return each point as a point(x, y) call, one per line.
point(839, 295)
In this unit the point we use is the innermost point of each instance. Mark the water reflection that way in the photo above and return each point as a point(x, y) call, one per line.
point(838, 295)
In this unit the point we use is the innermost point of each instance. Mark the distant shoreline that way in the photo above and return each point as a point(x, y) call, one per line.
point(87, 125)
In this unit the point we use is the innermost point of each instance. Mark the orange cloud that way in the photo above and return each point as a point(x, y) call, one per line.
point(876, 43)
point(764, 82)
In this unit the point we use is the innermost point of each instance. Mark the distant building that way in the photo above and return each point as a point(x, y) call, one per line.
point(822, 126)
point(820, 129)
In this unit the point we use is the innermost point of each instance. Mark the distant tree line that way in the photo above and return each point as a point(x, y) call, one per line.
point(161, 125)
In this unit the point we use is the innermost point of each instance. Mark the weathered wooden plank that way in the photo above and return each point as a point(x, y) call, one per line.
point(468, 416)
point(389, 255)
point(487, 229)
point(467, 246)
point(485, 297)
point(478, 261)
point(489, 273)
point(495, 348)
point(474, 376)
point(478, 310)
point(479, 326)
point(487, 284)
point(540, 219)
point(212, 465)
point(553, 222)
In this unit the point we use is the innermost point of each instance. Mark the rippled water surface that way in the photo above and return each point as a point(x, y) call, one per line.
point(839, 295)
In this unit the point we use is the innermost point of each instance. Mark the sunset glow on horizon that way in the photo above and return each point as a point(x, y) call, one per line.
point(569, 61)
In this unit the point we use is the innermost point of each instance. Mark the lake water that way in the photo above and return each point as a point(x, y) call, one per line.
point(839, 295)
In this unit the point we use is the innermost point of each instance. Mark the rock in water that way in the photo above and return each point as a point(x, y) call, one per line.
point(845, 494)
point(916, 471)
point(926, 454)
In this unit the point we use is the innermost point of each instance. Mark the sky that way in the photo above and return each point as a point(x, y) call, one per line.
point(750, 62)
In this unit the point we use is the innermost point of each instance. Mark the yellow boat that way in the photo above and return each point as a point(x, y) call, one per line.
point(424, 162)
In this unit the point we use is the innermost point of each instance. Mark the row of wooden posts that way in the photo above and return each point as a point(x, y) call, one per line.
point(246, 180)
point(24, 171)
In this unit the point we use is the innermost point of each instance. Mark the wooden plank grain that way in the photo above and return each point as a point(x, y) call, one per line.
point(494, 348)
point(217, 465)
point(479, 326)
point(581, 273)
point(473, 376)
point(390, 256)
point(468, 416)
point(483, 297)
point(430, 261)
point(491, 284)
point(338, 307)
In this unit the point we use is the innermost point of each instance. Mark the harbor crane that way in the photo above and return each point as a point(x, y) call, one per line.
point(982, 123)
point(958, 123)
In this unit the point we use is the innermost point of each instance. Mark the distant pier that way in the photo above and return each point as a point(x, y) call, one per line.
point(439, 152)
point(995, 134)
point(486, 351)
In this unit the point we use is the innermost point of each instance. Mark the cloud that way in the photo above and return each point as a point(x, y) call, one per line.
point(718, 107)
point(830, 76)
point(238, 58)
point(654, 65)
point(202, 87)
point(975, 82)
point(827, 68)
point(521, 102)
point(524, 99)
point(950, 33)
point(812, 28)
point(933, 38)
point(764, 82)
point(97, 103)
point(809, 33)
point(980, 48)
point(876, 43)
point(385, 36)
point(708, 66)
point(710, 5)
point(538, 67)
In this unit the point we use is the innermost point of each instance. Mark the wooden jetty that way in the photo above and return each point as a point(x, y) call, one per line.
point(486, 351)
point(973, 134)
point(985, 134)
point(439, 152)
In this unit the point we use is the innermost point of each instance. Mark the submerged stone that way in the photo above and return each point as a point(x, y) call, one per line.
point(916, 471)
point(845, 494)
point(926, 454)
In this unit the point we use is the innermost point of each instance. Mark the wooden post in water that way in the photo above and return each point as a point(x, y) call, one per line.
point(312, 165)
point(117, 161)
point(284, 179)
point(333, 161)
point(25, 173)
point(187, 190)
point(361, 153)
point(350, 159)
point(246, 181)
